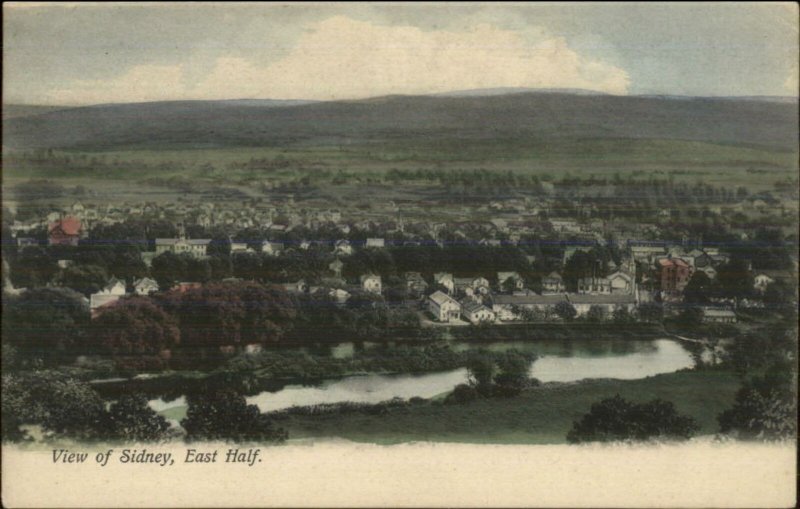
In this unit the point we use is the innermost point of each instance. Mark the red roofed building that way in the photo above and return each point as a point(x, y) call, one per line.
point(65, 232)
point(674, 274)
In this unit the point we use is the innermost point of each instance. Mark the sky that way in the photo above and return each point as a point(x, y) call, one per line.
point(77, 54)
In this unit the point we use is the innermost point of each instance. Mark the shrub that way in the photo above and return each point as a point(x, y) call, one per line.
point(462, 393)
point(225, 415)
point(618, 419)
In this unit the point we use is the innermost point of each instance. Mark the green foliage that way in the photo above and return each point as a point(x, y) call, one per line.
point(134, 326)
point(87, 279)
point(565, 310)
point(225, 415)
point(481, 367)
point(462, 393)
point(44, 323)
point(651, 312)
point(61, 404)
point(596, 314)
point(33, 267)
point(765, 407)
point(615, 419)
point(130, 418)
point(699, 290)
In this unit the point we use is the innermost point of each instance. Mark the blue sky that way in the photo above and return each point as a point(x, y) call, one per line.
point(87, 53)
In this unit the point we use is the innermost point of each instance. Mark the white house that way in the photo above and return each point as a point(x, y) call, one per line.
point(476, 313)
point(271, 248)
point(608, 303)
point(371, 283)
point(594, 286)
point(715, 315)
point(761, 281)
point(516, 280)
point(336, 267)
point(343, 247)
point(238, 247)
point(621, 283)
point(145, 286)
point(114, 287)
point(377, 243)
point(508, 307)
point(443, 307)
point(339, 295)
point(445, 279)
point(553, 283)
point(195, 247)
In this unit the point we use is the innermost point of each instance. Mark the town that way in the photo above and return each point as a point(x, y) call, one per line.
point(555, 268)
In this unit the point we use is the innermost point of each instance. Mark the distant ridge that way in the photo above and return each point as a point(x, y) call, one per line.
point(498, 116)
point(487, 92)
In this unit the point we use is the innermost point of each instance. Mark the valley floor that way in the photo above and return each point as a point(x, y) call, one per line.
point(541, 415)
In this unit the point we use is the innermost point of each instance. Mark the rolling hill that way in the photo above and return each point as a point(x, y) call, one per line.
point(514, 116)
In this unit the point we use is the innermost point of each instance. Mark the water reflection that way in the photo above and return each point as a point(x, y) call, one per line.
point(559, 361)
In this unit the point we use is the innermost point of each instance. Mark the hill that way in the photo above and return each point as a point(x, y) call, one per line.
point(524, 116)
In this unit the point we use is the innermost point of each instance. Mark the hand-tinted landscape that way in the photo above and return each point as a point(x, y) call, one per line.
point(534, 264)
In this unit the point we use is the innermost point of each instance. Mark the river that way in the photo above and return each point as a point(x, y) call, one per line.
point(559, 361)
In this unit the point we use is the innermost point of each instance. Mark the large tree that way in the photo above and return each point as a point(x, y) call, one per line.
point(45, 323)
point(134, 326)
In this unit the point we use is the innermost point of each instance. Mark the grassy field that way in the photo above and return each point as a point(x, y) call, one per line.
point(539, 416)
point(682, 160)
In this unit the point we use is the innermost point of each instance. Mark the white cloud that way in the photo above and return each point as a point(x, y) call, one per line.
point(139, 84)
point(342, 58)
point(791, 84)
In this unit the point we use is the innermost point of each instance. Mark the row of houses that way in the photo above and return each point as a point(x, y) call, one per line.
point(447, 309)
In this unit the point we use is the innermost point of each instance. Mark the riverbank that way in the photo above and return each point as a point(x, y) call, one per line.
point(541, 415)
point(538, 331)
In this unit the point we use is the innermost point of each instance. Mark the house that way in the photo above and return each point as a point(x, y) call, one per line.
point(101, 300)
point(336, 267)
point(764, 278)
point(621, 282)
point(185, 286)
point(114, 287)
point(111, 293)
point(471, 285)
point(415, 282)
point(271, 248)
point(673, 274)
point(717, 315)
point(64, 232)
point(443, 307)
point(145, 286)
point(299, 286)
point(63, 264)
point(553, 283)
point(376, 243)
point(339, 295)
point(510, 281)
point(646, 251)
point(508, 307)
point(476, 313)
point(343, 247)
point(198, 248)
point(371, 283)
point(238, 247)
point(445, 279)
point(761, 281)
point(23, 242)
point(608, 303)
point(594, 286)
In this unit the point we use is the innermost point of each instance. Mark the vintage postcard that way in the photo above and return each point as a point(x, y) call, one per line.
point(399, 254)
